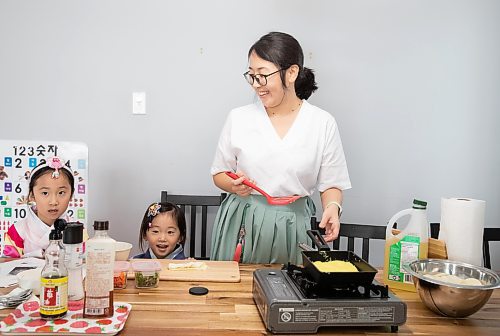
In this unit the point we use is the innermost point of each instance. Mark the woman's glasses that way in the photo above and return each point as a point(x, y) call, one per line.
point(260, 78)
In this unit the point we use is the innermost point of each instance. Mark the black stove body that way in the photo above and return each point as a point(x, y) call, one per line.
point(289, 301)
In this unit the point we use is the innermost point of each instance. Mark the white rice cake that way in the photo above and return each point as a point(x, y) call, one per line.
point(190, 265)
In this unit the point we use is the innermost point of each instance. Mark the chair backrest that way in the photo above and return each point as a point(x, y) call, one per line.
point(434, 230)
point(352, 231)
point(489, 235)
point(193, 203)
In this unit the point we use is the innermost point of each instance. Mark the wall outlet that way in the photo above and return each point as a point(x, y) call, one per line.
point(139, 103)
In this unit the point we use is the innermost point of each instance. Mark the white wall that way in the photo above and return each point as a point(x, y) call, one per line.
point(413, 85)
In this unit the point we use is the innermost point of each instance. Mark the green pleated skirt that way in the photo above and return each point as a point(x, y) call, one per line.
point(271, 232)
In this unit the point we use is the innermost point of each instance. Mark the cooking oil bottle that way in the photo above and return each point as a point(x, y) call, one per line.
point(408, 245)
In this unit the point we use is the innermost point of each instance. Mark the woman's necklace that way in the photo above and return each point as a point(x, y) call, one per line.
point(274, 114)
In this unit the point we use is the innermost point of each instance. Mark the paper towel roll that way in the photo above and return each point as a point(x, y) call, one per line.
point(462, 227)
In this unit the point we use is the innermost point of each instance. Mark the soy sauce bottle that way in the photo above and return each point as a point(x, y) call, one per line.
point(54, 280)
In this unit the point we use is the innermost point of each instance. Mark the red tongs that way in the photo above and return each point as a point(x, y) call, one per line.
point(284, 200)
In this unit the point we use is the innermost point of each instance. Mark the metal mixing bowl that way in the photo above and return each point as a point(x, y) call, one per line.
point(450, 299)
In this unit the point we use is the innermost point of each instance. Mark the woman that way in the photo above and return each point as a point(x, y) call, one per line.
point(287, 147)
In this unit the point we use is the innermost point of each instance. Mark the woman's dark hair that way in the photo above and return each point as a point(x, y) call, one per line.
point(284, 51)
point(46, 170)
point(177, 215)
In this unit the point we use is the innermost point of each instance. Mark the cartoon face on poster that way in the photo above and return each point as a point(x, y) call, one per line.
point(17, 160)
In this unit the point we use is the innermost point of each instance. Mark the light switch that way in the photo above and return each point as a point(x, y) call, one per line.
point(139, 103)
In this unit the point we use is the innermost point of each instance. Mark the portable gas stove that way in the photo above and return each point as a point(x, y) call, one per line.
point(290, 301)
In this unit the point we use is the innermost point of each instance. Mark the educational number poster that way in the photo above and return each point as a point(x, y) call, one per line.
point(18, 158)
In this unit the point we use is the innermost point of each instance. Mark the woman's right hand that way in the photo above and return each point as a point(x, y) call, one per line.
point(237, 186)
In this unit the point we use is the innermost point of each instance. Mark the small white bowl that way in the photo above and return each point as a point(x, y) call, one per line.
point(30, 279)
point(122, 250)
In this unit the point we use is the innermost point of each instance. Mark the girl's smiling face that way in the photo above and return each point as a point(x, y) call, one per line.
point(163, 235)
point(52, 196)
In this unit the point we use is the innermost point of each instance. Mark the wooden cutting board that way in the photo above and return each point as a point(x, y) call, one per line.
point(217, 271)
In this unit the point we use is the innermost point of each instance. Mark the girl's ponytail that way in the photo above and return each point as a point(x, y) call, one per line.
point(305, 84)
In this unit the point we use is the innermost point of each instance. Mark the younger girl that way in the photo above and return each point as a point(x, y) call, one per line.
point(51, 186)
point(164, 228)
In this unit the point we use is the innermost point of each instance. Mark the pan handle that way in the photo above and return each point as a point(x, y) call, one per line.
point(305, 247)
point(318, 240)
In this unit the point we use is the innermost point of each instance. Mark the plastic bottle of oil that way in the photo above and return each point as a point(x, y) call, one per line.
point(100, 261)
point(410, 244)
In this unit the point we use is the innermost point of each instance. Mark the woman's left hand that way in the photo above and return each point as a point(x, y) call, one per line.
point(331, 223)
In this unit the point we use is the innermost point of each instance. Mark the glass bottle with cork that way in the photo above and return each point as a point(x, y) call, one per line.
point(54, 280)
point(100, 251)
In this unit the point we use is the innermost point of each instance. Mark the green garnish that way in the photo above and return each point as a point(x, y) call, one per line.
point(142, 280)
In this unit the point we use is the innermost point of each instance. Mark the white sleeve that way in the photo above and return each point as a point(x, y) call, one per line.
point(36, 254)
point(225, 158)
point(333, 171)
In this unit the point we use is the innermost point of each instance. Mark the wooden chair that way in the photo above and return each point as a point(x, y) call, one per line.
point(195, 202)
point(352, 231)
point(489, 235)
